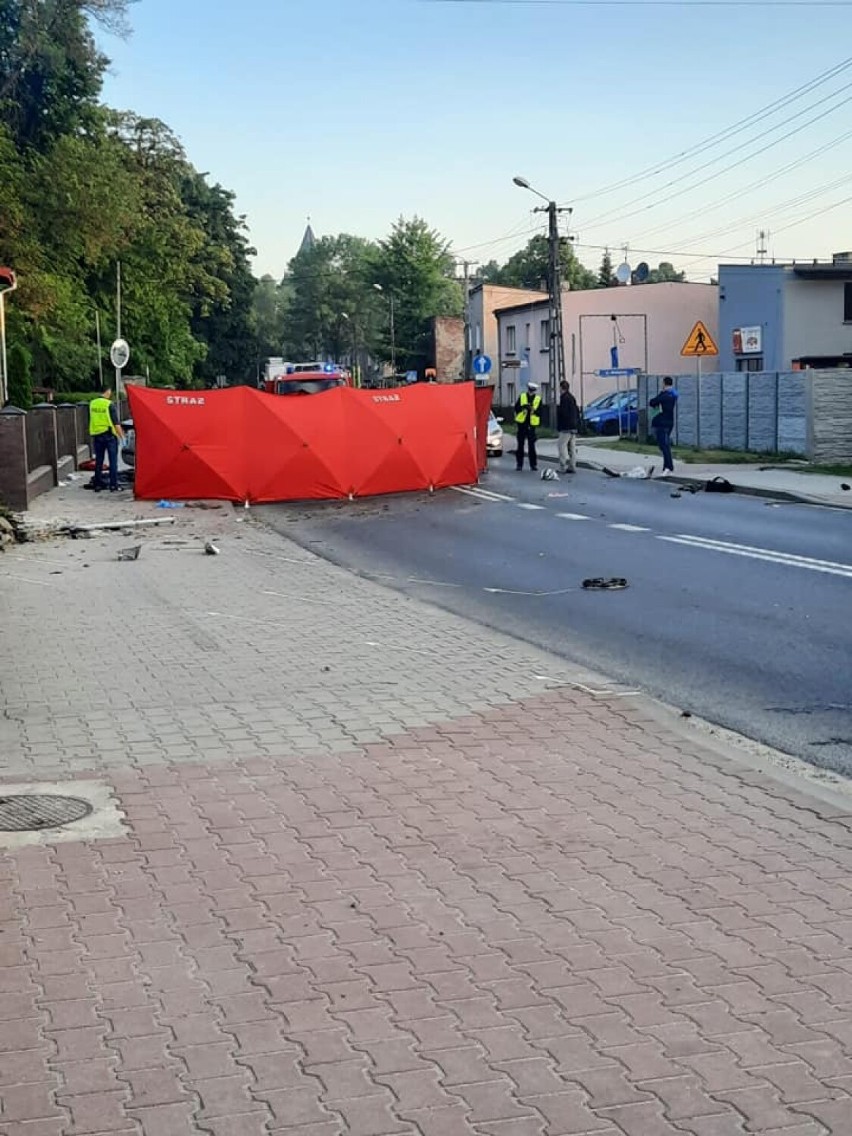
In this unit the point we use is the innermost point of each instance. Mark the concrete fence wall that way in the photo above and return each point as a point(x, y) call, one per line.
point(808, 413)
point(38, 448)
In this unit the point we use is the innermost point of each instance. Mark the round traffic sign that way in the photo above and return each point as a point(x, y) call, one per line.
point(481, 365)
point(119, 354)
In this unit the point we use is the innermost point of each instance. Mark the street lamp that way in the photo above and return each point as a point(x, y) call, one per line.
point(353, 358)
point(556, 355)
point(379, 288)
point(8, 283)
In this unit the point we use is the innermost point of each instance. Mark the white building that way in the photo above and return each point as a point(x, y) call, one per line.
point(648, 323)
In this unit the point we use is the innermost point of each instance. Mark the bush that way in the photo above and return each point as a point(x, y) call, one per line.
point(20, 382)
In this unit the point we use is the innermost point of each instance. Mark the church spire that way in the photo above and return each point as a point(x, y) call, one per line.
point(308, 240)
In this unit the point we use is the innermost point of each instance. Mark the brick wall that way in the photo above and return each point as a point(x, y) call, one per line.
point(448, 348)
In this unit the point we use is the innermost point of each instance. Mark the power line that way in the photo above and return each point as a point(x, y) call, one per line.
point(782, 207)
point(607, 218)
point(722, 135)
point(660, 3)
point(746, 189)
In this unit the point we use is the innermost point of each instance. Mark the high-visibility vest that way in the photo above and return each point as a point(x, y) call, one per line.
point(100, 419)
point(529, 408)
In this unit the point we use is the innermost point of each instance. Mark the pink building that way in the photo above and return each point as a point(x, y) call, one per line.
point(648, 323)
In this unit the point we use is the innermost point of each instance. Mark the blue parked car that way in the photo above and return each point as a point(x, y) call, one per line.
point(604, 416)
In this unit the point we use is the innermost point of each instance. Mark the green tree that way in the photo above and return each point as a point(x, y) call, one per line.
point(20, 383)
point(416, 268)
point(665, 273)
point(606, 275)
point(50, 66)
point(328, 298)
point(529, 267)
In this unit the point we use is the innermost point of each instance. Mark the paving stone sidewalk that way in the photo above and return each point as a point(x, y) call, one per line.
point(425, 896)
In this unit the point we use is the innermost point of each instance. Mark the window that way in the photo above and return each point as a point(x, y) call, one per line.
point(511, 344)
point(847, 303)
point(544, 335)
point(754, 363)
point(527, 336)
point(510, 391)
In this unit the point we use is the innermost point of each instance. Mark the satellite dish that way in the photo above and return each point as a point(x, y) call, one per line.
point(623, 273)
point(642, 272)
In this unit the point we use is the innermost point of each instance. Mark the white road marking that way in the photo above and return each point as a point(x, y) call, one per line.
point(573, 516)
point(482, 494)
point(432, 583)
point(512, 592)
point(789, 559)
point(629, 528)
point(527, 505)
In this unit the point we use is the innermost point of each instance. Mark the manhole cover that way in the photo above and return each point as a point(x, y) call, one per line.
point(26, 813)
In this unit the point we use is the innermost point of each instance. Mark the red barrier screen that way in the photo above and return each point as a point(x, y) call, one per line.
point(246, 445)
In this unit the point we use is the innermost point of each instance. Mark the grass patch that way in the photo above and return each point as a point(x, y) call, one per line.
point(541, 431)
point(691, 456)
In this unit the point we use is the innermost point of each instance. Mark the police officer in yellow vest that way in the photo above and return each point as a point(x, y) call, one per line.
point(527, 418)
point(106, 431)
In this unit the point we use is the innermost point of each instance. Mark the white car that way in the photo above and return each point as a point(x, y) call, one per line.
point(494, 441)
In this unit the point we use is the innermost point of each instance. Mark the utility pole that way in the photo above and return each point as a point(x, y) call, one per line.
point(468, 344)
point(556, 355)
point(118, 332)
point(761, 246)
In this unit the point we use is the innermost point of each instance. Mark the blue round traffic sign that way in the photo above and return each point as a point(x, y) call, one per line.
point(481, 365)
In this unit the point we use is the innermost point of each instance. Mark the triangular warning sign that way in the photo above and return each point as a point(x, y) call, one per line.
point(700, 342)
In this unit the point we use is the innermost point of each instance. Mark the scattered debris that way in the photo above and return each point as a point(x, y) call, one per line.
point(639, 473)
point(685, 714)
point(772, 505)
point(549, 475)
point(559, 495)
point(73, 477)
point(109, 526)
point(601, 583)
point(130, 553)
point(677, 493)
point(610, 472)
point(719, 485)
point(210, 548)
point(843, 485)
point(170, 504)
point(202, 505)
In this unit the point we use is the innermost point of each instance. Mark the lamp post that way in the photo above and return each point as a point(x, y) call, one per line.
point(379, 288)
point(556, 355)
point(8, 283)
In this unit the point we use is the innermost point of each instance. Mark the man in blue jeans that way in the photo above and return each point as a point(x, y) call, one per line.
point(663, 422)
point(106, 431)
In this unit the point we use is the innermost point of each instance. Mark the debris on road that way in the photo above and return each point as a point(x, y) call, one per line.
point(718, 485)
point(210, 548)
point(843, 485)
point(202, 505)
point(549, 475)
point(170, 504)
point(605, 584)
point(77, 531)
point(677, 493)
point(130, 553)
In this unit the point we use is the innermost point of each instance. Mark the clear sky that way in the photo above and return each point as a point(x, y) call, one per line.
point(358, 111)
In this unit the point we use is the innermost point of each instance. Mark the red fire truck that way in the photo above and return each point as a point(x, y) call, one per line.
point(303, 378)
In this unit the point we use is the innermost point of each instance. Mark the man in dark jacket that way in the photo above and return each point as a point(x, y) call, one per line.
point(663, 422)
point(567, 423)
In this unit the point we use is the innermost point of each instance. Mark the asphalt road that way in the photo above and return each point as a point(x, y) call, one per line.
point(737, 610)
